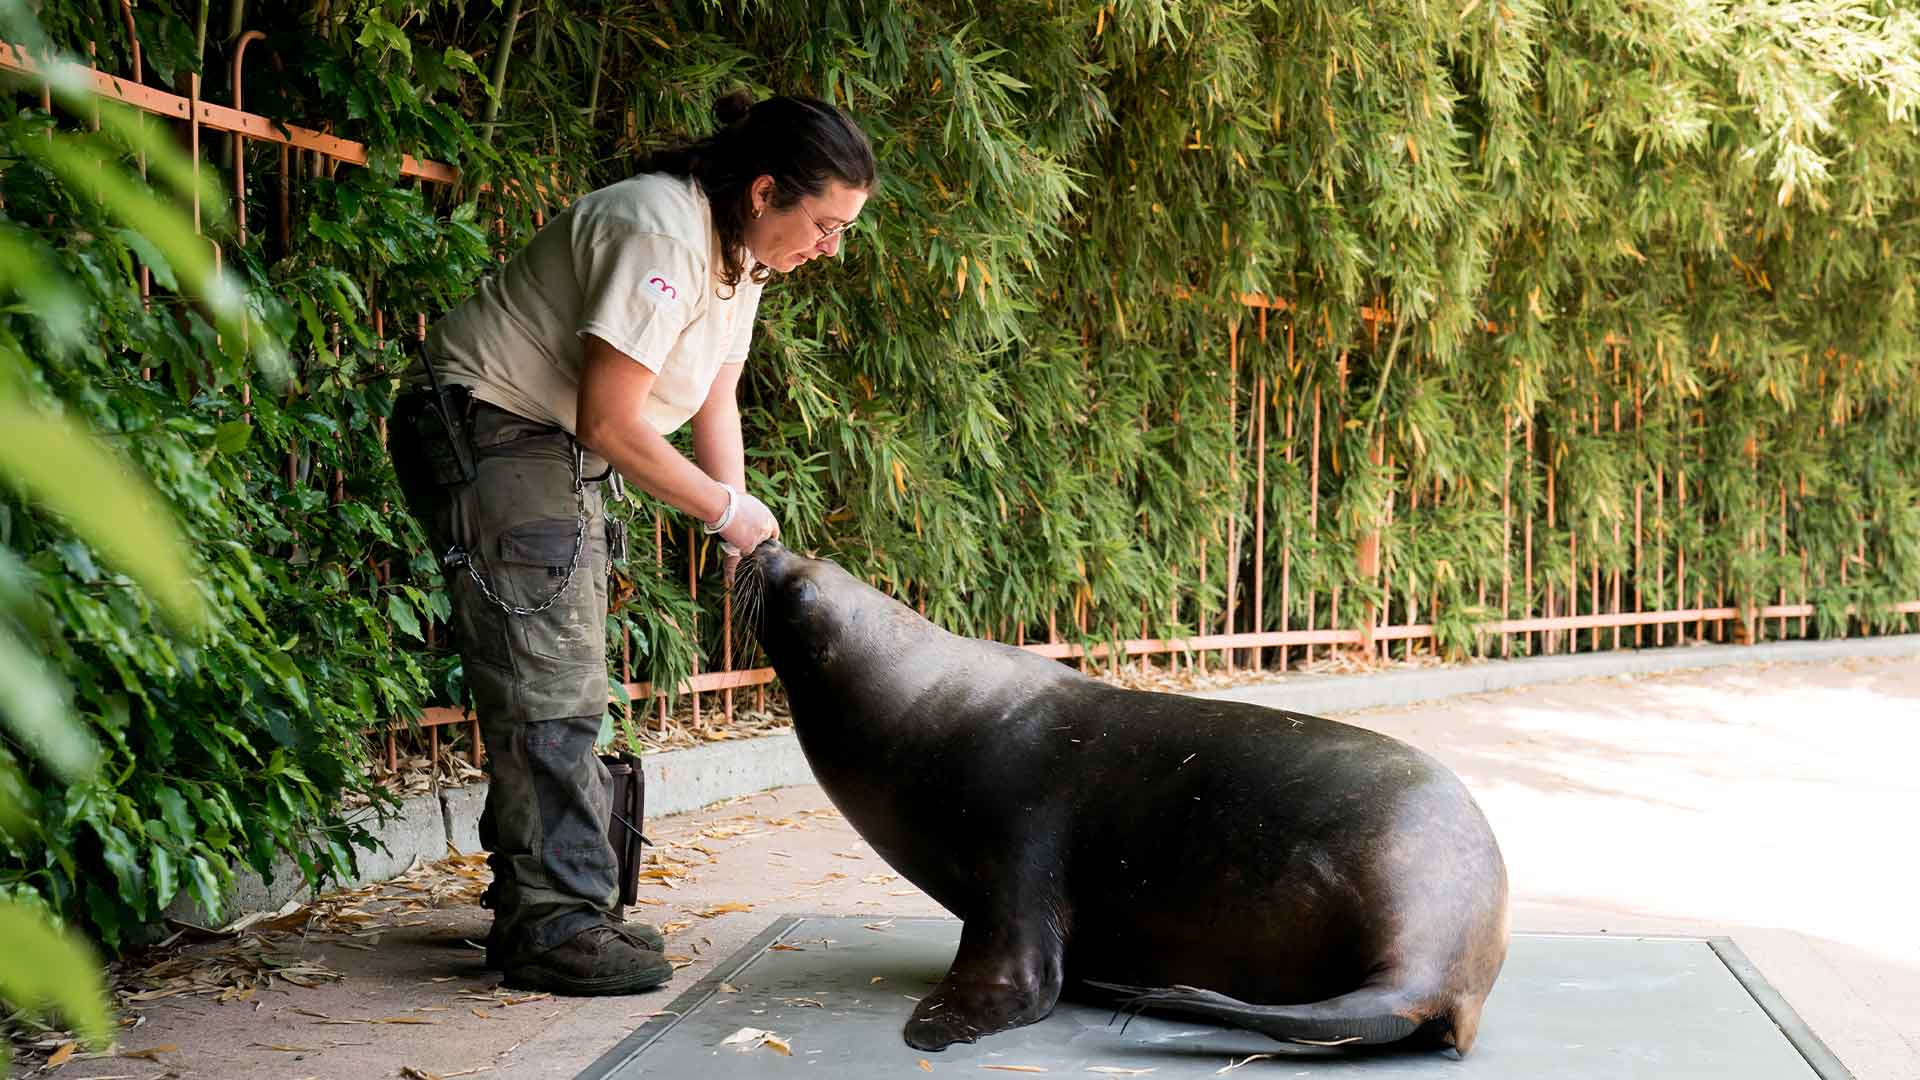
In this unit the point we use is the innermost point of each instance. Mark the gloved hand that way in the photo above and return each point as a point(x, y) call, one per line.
point(751, 524)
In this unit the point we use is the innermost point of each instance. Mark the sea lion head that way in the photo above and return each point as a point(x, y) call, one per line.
point(810, 615)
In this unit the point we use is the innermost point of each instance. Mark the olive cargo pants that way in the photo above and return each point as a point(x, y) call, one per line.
point(529, 530)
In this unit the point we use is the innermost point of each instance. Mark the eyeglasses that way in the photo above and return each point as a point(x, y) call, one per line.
point(826, 235)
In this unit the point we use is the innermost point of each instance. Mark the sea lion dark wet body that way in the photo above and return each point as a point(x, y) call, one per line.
point(1269, 870)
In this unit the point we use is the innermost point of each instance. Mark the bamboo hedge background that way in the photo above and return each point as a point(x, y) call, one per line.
point(1416, 316)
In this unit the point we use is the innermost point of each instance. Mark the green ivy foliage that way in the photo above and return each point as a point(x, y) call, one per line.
point(1027, 393)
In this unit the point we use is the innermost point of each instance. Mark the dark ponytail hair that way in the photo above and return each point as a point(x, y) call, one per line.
point(802, 142)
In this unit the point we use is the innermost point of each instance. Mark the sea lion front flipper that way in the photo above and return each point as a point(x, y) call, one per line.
point(1006, 974)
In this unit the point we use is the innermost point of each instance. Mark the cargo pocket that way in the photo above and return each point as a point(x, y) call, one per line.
point(532, 562)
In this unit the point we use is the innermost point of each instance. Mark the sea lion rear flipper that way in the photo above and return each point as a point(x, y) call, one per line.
point(1366, 1017)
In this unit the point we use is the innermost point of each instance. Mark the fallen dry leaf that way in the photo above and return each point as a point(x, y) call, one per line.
point(60, 1057)
point(1016, 1068)
point(876, 980)
point(887, 925)
point(804, 1003)
point(729, 988)
point(411, 1073)
point(723, 909)
point(151, 1053)
point(925, 1065)
point(754, 1038)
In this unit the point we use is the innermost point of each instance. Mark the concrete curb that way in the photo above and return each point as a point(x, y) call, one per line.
point(682, 780)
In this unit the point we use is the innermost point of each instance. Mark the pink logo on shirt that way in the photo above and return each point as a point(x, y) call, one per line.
point(663, 287)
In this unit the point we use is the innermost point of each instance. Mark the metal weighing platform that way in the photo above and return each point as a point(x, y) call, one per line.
point(1568, 1007)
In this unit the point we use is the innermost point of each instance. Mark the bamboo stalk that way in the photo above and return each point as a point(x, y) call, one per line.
point(593, 83)
point(493, 113)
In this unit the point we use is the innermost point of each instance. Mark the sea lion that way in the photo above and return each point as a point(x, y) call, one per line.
point(1313, 881)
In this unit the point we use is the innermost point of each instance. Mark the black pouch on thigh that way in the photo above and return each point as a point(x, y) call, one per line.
point(628, 784)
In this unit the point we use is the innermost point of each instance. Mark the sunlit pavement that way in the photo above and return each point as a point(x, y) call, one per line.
point(1777, 805)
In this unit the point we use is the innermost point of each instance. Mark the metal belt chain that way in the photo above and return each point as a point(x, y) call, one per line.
point(456, 555)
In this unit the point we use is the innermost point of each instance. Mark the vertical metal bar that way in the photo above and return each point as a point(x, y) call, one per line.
point(93, 64)
point(659, 567)
point(1260, 499)
point(1615, 583)
point(1639, 603)
point(726, 648)
point(1527, 530)
point(1233, 470)
point(1313, 514)
point(1506, 524)
point(1286, 536)
point(1680, 571)
point(1550, 639)
point(239, 140)
point(193, 140)
point(1199, 607)
point(693, 594)
point(1660, 545)
point(1433, 594)
point(1780, 624)
point(139, 76)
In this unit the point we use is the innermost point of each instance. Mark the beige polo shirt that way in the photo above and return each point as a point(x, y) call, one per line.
point(635, 263)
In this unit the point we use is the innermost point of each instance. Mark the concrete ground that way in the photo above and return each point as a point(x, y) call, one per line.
point(1773, 803)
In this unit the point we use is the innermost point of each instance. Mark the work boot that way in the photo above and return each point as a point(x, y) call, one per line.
point(646, 935)
point(597, 960)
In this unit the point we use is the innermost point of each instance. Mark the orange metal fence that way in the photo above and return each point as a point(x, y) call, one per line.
point(1246, 625)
